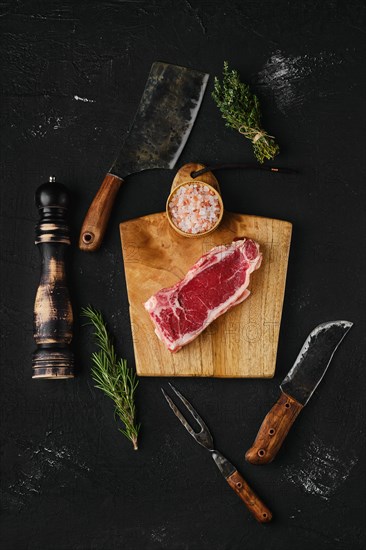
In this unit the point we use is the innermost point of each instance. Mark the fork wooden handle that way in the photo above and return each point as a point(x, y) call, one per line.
point(250, 499)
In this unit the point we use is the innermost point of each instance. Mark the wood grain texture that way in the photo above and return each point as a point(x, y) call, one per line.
point(243, 342)
point(97, 217)
point(250, 499)
point(53, 315)
point(274, 430)
point(184, 174)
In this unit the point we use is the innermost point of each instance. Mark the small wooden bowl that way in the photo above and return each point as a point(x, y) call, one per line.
point(194, 235)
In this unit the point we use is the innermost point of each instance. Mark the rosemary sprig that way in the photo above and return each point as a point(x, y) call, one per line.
point(240, 108)
point(113, 377)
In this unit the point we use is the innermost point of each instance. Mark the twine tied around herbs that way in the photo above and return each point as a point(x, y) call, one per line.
point(253, 134)
point(240, 108)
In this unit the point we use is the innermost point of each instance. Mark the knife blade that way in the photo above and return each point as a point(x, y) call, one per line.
point(297, 388)
point(164, 119)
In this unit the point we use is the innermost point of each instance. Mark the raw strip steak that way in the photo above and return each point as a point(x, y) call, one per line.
point(216, 282)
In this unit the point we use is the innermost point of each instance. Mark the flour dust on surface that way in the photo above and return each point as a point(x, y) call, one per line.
point(320, 470)
point(42, 460)
point(285, 76)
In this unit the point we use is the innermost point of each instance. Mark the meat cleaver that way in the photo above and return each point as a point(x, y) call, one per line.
point(297, 388)
point(162, 124)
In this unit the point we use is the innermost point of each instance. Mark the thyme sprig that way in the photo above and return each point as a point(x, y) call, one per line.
point(113, 376)
point(240, 108)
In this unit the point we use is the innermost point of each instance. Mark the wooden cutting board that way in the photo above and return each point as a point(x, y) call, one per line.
point(241, 343)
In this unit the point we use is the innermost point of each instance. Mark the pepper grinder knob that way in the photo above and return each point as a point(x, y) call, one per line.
point(53, 318)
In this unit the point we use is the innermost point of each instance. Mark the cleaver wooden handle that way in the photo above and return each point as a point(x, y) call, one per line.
point(273, 430)
point(96, 219)
point(250, 499)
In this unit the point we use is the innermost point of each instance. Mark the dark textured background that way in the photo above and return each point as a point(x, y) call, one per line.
point(69, 480)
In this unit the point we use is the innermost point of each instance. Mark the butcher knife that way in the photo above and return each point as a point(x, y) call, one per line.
point(162, 124)
point(297, 388)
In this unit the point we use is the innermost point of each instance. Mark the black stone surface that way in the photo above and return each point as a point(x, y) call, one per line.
point(72, 75)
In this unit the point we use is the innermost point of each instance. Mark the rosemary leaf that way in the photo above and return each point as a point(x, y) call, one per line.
point(240, 108)
point(113, 376)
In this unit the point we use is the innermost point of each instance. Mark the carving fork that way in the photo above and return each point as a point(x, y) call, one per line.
point(230, 473)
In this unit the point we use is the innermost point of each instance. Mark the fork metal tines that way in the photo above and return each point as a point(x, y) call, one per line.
point(203, 437)
point(230, 473)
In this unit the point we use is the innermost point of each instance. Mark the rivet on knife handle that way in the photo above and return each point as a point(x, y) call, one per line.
point(96, 219)
point(273, 430)
point(250, 499)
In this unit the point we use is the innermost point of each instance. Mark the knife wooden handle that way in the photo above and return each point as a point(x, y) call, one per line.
point(273, 430)
point(96, 219)
point(250, 499)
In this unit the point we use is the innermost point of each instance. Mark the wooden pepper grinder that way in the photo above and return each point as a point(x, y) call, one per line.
point(53, 358)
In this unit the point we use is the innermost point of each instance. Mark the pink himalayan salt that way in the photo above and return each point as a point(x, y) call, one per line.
point(194, 208)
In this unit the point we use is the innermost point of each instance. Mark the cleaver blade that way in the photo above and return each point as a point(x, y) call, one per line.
point(297, 388)
point(164, 119)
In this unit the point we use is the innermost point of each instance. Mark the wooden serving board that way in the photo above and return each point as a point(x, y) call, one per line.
point(241, 343)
